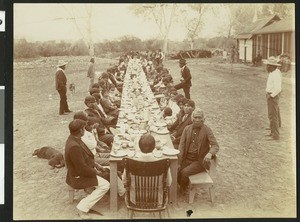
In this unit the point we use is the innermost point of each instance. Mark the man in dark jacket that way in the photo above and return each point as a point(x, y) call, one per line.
point(83, 172)
point(181, 122)
point(186, 77)
point(61, 87)
point(197, 147)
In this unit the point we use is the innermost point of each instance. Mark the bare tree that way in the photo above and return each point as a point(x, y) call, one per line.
point(85, 13)
point(193, 25)
point(283, 10)
point(163, 15)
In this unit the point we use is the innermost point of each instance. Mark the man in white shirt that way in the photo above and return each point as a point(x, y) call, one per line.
point(273, 90)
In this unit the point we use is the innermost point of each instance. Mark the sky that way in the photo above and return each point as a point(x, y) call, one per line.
point(42, 22)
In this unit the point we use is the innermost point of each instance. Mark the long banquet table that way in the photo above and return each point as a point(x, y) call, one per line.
point(139, 113)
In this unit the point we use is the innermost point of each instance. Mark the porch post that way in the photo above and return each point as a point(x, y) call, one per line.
point(268, 47)
point(282, 43)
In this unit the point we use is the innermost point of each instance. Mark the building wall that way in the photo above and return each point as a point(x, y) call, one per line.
point(274, 44)
point(248, 43)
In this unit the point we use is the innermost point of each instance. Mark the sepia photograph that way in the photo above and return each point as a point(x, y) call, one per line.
point(157, 110)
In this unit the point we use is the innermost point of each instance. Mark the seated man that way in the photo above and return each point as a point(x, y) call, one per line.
point(108, 106)
point(197, 147)
point(106, 135)
point(147, 145)
point(103, 81)
point(108, 120)
point(90, 139)
point(181, 122)
point(83, 172)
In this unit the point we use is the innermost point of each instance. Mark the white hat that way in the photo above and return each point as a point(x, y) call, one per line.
point(62, 63)
point(272, 61)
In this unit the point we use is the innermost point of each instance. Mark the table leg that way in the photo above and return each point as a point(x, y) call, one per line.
point(173, 188)
point(113, 186)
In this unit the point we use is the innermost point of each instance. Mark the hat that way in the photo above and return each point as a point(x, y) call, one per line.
point(182, 61)
point(178, 97)
point(190, 102)
point(94, 90)
point(76, 125)
point(89, 99)
point(198, 111)
point(272, 61)
point(62, 63)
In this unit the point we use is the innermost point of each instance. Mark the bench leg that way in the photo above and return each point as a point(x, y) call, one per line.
point(71, 195)
point(212, 194)
point(192, 192)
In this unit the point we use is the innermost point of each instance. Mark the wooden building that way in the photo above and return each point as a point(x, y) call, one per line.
point(245, 40)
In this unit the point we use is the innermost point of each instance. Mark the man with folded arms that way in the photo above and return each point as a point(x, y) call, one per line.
point(61, 87)
point(197, 147)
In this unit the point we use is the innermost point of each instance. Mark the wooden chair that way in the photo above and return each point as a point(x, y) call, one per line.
point(203, 180)
point(147, 178)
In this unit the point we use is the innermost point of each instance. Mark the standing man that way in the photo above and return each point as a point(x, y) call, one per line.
point(91, 72)
point(273, 90)
point(185, 79)
point(61, 87)
point(197, 147)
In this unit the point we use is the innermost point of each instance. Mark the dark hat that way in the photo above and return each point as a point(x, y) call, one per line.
point(76, 125)
point(178, 97)
point(95, 85)
point(173, 91)
point(89, 99)
point(190, 102)
point(94, 90)
point(166, 80)
point(105, 75)
point(182, 61)
point(96, 95)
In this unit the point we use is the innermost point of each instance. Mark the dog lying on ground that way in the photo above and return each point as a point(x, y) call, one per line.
point(56, 158)
point(72, 88)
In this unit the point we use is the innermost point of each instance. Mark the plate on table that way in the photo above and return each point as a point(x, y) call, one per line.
point(159, 96)
point(170, 152)
point(162, 131)
point(159, 124)
point(119, 153)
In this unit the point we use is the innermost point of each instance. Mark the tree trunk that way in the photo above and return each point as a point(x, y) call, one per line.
point(192, 44)
point(165, 46)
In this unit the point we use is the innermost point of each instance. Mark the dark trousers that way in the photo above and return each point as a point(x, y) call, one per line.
point(186, 89)
point(187, 169)
point(63, 105)
point(274, 115)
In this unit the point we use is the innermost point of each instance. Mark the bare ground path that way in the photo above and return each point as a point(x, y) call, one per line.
point(255, 177)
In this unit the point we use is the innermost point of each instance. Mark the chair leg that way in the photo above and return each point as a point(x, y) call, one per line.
point(212, 194)
point(131, 216)
point(192, 192)
point(168, 212)
point(71, 194)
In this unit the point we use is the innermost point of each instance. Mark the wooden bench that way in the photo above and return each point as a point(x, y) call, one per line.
point(203, 180)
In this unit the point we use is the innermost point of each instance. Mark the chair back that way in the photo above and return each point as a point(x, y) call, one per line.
point(148, 178)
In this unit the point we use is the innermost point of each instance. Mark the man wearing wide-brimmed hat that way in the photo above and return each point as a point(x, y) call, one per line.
point(61, 87)
point(273, 90)
point(185, 79)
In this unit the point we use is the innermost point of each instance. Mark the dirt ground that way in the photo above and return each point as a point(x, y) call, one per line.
point(255, 177)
